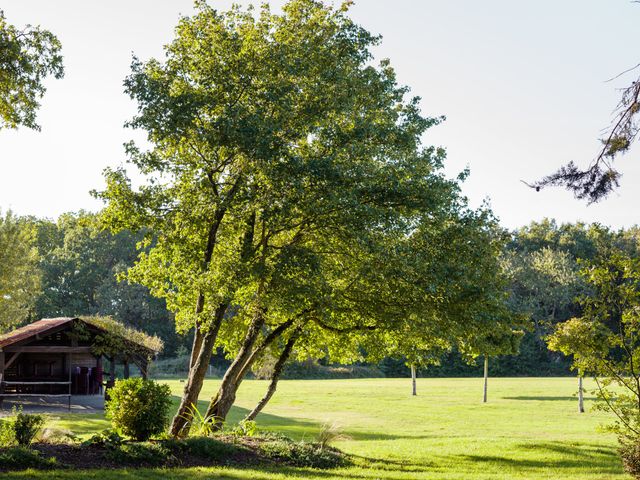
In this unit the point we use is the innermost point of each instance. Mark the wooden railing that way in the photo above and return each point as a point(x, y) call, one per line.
point(4, 383)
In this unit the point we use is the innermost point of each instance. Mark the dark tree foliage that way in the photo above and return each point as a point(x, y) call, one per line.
point(79, 267)
point(592, 184)
point(600, 178)
point(543, 262)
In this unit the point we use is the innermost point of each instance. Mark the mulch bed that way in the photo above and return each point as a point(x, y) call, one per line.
point(89, 457)
point(224, 450)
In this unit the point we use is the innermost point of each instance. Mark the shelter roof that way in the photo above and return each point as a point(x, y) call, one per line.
point(46, 325)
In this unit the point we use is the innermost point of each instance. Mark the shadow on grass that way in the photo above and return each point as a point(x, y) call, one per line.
point(297, 429)
point(546, 398)
point(268, 473)
point(562, 459)
point(557, 456)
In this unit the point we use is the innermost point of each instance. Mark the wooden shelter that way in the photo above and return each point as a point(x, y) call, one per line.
point(64, 356)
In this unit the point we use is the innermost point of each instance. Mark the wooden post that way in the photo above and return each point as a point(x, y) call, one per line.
point(144, 368)
point(69, 367)
point(112, 371)
point(580, 394)
point(486, 378)
point(101, 376)
point(413, 379)
point(1, 377)
point(126, 368)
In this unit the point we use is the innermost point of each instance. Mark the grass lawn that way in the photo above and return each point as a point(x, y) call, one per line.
point(530, 429)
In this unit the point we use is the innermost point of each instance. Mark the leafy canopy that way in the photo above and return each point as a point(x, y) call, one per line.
point(19, 275)
point(274, 142)
point(604, 341)
point(27, 57)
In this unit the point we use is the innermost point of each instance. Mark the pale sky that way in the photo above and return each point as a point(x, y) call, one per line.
point(522, 83)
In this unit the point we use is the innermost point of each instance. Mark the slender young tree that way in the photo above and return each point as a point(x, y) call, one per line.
point(604, 339)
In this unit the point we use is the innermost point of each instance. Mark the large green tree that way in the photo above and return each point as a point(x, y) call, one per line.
point(19, 276)
point(264, 130)
point(27, 57)
point(285, 174)
point(79, 266)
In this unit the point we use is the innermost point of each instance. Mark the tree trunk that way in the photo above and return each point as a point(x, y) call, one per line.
point(413, 380)
point(224, 399)
point(580, 395)
point(486, 378)
point(275, 333)
point(275, 376)
point(198, 336)
point(203, 342)
point(181, 422)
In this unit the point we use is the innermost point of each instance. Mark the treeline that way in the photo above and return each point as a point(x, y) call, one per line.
point(72, 267)
point(542, 262)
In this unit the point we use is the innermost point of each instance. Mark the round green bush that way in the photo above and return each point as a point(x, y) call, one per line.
point(138, 408)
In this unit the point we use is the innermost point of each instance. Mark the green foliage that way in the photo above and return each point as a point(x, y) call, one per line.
point(22, 458)
point(120, 337)
point(106, 438)
point(296, 192)
point(19, 276)
point(604, 340)
point(26, 427)
point(541, 264)
point(246, 428)
point(7, 434)
point(142, 453)
point(201, 425)
point(79, 265)
point(326, 176)
point(27, 57)
point(302, 454)
point(138, 408)
point(207, 448)
point(313, 369)
point(21, 428)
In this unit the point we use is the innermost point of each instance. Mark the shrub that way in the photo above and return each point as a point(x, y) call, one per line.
point(106, 438)
point(630, 453)
point(21, 458)
point(139, 408)
point(328, 434)
point(302, 454)
point(209, 448)
point(202, 426)
point(313, 369)
point(246, 428)
point(21, 428)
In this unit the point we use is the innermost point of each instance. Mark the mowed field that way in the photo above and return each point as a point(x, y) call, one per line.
point(530, 429)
